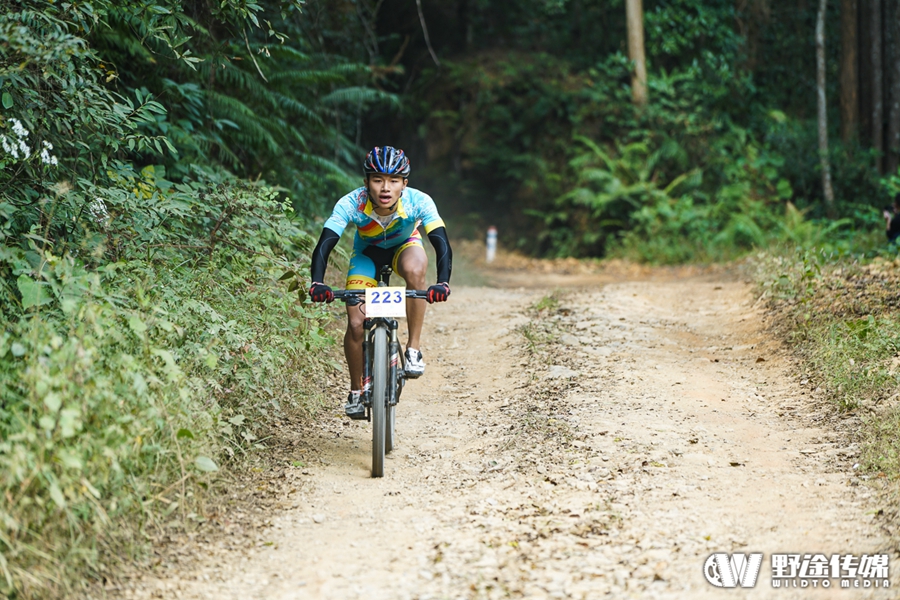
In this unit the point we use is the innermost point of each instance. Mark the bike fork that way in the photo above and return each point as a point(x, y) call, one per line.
point(367, 369)
point(393, 376)
point(393, 373)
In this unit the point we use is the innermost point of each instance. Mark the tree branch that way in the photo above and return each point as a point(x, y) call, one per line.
point(425, 32)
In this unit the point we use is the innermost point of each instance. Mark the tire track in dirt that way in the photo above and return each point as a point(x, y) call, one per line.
point(642, 434)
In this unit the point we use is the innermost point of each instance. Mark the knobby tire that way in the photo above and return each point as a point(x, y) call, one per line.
point(380, 370)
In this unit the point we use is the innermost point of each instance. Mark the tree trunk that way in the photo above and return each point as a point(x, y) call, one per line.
point(823, 108)
point(875, 49)
point(751, 19)
point(849, 60)
point(893, 70)
point(634, 14)
point(865, 71)
point(465, 26)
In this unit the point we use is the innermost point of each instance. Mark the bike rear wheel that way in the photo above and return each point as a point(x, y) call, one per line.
point(380, 384)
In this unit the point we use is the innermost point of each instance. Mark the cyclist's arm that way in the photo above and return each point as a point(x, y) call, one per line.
point(437, 235)
point(340, 217)
point(443, 253)
point(327, 241)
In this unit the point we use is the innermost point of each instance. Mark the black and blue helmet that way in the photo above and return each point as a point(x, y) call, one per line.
point(387, 160)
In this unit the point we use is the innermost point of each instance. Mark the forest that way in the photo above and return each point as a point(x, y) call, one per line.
point(166, 166)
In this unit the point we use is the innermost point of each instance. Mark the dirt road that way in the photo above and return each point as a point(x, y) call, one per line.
point(651, 424)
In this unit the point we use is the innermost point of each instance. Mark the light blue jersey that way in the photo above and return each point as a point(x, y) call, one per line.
point(413, 208)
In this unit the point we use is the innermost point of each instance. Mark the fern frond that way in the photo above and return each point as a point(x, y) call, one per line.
point(126, 42)
point(351, 69)
point(248, 122)
point(361, 96)
point(294, 106)
point(282, 51)
point(233, 77)
point(308, 77)
point(323, 164)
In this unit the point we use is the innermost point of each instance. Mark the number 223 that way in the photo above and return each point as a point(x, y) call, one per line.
point(387, 297)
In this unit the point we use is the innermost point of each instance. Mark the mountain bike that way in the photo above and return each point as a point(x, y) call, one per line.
point(383, 364)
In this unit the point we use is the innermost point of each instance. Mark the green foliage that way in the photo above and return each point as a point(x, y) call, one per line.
point(259, 102)
point(59, 122)
point(123, 383)
point(539, 134)
point(548, 303)
point(145, 337)
point(679, 182)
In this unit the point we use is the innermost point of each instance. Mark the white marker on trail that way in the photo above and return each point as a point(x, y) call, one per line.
point(491, 244)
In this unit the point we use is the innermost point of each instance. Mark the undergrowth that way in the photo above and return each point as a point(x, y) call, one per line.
point(842, 315)
point(126, 384)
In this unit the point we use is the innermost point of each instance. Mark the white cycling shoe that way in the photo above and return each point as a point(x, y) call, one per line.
point(415, 366)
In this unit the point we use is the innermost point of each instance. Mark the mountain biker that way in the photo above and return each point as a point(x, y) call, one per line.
point(387, 215)
point(892, 220)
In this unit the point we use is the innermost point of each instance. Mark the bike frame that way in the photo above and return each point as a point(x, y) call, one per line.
point(395, 374)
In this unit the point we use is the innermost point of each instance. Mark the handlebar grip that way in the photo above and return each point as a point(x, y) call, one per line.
point(344, 294)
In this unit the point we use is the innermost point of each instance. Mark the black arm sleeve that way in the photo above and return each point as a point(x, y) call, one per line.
point(327, 241)
point(443, 253)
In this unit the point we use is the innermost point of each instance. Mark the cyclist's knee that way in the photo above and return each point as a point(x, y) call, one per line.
point(355, 329)
point(414, 273)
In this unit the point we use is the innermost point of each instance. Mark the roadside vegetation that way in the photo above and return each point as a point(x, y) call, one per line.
point(841, 314)
point(148, 330)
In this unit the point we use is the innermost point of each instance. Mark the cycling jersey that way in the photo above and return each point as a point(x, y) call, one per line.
point(413, 208)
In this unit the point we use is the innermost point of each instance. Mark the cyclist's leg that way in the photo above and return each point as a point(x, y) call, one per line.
point(360, 276)
point(411, 263)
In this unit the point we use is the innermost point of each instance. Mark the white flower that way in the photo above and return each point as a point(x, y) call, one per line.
point(24, 148)
point(9, 147)
point(18, 128)
point(46, 157)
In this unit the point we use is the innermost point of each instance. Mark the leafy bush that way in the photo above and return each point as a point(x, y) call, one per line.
point(146, 333)
point(125, 383)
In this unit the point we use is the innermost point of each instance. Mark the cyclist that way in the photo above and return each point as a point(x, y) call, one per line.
point(892, 220)
point(387, 215)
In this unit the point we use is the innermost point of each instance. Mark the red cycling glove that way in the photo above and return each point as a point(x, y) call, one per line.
point(439, 292)
point(319, 292)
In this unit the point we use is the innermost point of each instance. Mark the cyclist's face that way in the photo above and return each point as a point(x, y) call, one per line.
point(385, 190)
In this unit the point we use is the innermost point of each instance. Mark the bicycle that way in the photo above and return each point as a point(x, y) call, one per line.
point(383, 363)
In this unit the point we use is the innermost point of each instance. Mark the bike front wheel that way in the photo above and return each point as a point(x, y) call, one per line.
point(380, 370)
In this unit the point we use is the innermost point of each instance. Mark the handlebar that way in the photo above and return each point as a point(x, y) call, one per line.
point(348, 294)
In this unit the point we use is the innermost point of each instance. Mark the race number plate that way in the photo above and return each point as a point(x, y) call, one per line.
point(386, 302)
